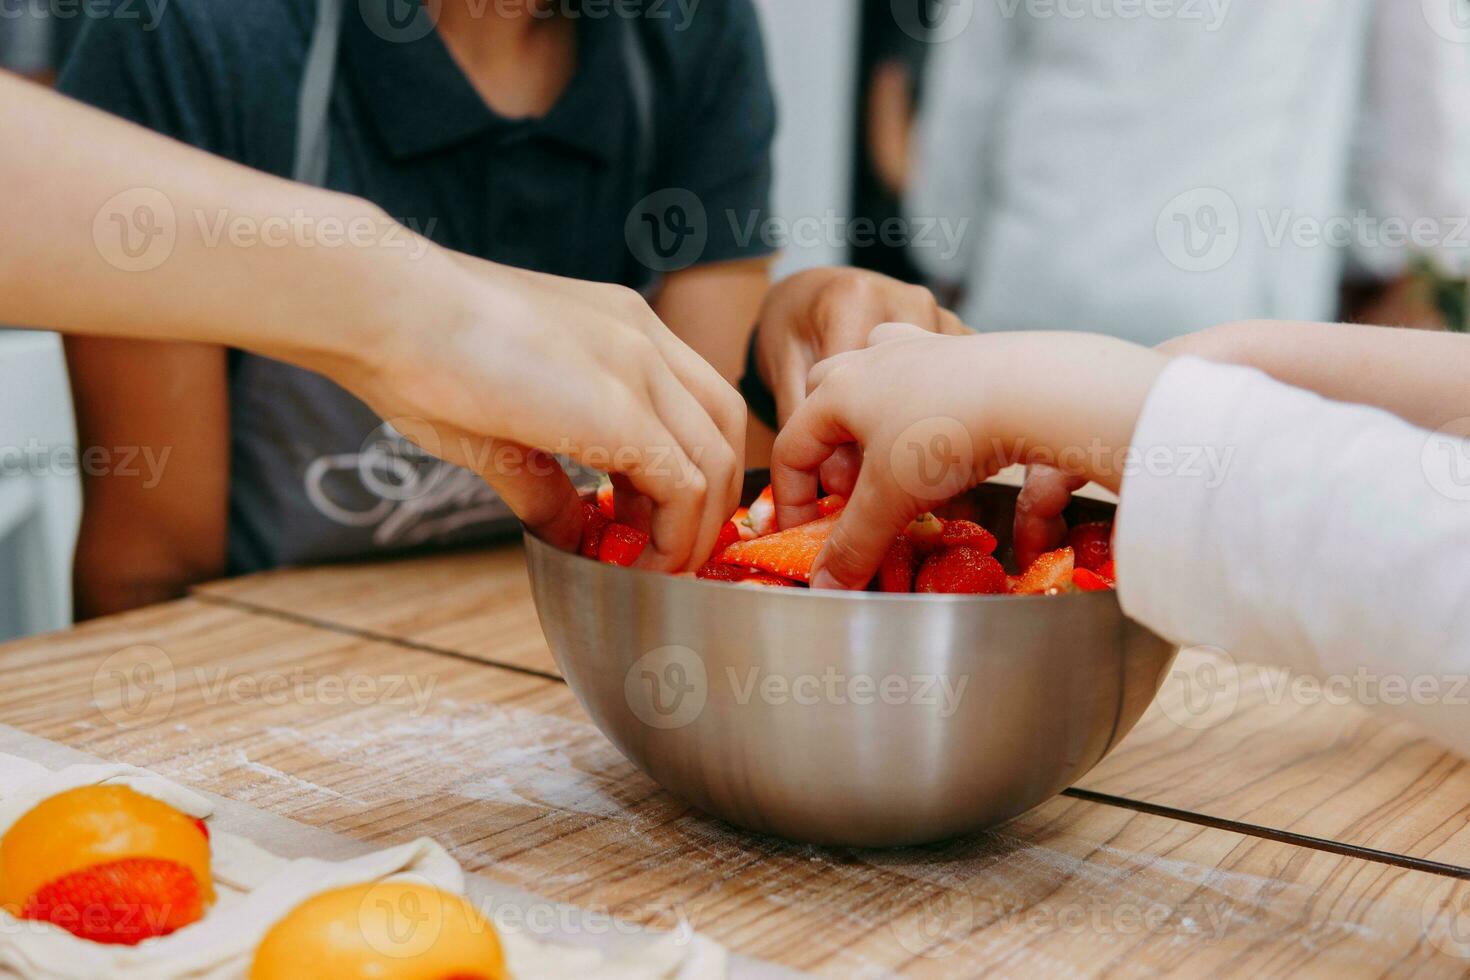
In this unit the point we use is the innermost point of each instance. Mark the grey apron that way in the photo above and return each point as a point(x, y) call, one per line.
point(316, 476)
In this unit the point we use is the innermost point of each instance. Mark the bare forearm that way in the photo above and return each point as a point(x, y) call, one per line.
point(170, 243)
point(1417, 375)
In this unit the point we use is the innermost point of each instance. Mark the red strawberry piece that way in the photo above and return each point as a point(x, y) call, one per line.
point(606, 499)
point(1092, 543)
point(831, 505)
point(715, 571)
point(121, 902)
point(927, 533)
point(1049, 574)
point(1109, 571)
point(970, 535)
point(961, 570)
point(790, 553)
point(729, 534)
point(741, 520)
point(594, 522)
point(896, 574)
point(621, 545)
point(1090, 581)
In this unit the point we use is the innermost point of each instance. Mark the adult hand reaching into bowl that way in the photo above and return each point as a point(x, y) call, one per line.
point(489, 367)
point(933, 416)
point(819, 313)
point(522, 364)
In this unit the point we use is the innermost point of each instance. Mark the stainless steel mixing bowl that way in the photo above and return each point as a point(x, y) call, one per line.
point(849, 719)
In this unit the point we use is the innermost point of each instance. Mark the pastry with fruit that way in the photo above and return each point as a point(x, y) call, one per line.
point(108, 864)
point(388, 930)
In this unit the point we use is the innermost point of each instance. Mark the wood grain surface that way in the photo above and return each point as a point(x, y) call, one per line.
point(385, 743)
point(1226, 740)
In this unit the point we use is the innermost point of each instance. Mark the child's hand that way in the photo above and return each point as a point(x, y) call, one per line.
point(1039, 526)
point(933, 416)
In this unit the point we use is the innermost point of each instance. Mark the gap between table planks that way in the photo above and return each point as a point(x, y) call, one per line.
point(506, 771)
point(1225, 741)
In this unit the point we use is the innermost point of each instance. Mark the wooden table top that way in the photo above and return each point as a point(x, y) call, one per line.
point(1225, 741)
point(372, 701)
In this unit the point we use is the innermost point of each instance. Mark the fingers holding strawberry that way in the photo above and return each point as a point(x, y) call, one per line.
point(1039, 525)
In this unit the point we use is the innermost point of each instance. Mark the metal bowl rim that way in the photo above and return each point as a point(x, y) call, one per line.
point(809, 595)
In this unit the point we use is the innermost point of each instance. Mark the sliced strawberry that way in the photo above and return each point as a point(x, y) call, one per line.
point(789, 553)
point(1090, 581)
point(1049, 574)
point(719, 572)
point(121, 902)
point(896, 574)
point(1109, 571)
point(715, 571)
point(762, 515)
point(593, 524)
point(970, 535)
point(606, 499)
point(1092, 543)
point(831, 505)
point(927, 533)
point(961, 570)
point(621, 545)
point(729, 534)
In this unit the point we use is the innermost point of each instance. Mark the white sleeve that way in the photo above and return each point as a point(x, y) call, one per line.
point(1412, 157)
point(1327, 538)
point(963, 82)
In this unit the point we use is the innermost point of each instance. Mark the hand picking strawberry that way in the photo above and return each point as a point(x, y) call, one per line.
point(932, 555)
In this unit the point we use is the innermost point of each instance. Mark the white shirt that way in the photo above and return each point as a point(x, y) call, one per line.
point(1147, 175)
point(1333, 540)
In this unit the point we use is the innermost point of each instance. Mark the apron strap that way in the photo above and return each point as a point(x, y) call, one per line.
point(313, 135)
point(640, 79)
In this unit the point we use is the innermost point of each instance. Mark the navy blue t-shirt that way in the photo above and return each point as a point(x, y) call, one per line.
point(315, 476)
